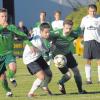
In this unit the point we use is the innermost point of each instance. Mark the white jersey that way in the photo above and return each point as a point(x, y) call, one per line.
point(28, 56)
point(91, 27)
point(57, 24)
point(36, 31)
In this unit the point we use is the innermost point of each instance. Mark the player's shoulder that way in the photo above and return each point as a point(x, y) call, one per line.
point(85, 17)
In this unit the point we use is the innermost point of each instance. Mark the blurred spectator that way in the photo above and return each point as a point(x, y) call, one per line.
point(42, 19)
point(57, 23)
point(22, 28)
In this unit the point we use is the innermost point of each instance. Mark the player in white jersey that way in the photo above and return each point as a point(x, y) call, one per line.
point(90, 24)
point(57, 23)
point(34, 61)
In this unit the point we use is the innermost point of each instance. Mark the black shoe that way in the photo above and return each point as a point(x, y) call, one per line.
point(89, 82)
point(83, 92)
point(14, 83)
point(62, 88)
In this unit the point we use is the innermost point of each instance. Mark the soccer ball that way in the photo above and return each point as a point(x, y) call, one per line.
point(60, 60)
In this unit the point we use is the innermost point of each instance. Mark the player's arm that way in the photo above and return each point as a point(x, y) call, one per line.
point(15, 30)
point(77, 33)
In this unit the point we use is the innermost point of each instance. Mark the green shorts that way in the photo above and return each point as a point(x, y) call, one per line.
point(5, 60)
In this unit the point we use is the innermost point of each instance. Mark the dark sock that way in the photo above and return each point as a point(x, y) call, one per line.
point(64, 79)
point(5, 85)
point(78, 81)
point(46, 81)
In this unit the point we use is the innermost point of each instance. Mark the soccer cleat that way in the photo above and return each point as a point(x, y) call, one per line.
point(83, 92)
point(14, 82)
point(30, 95)
point(46, 90)
point(62, 88)
point(89, 82)
point(9, 94)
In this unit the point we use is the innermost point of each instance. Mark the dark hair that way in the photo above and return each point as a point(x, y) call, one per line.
point(43, 12)
point(68, 21)
point(57, 11)
point(92, 6)
point(3, 10)
point(44, 25)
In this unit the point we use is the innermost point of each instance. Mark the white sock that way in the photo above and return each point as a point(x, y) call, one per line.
point(35, 85)
point(88, 72)
point(99, 73)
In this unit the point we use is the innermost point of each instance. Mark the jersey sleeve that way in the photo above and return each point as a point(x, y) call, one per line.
point(16, 31)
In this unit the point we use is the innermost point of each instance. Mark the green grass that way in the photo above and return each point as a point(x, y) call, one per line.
point(25, 80)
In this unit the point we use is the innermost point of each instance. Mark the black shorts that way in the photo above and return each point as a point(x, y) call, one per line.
point(39, 64)
point(91, 50)
point(71, 63)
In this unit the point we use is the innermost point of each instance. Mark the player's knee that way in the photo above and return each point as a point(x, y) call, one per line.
point(68, 75)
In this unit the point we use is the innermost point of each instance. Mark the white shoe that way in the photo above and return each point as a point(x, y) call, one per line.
point(9, 94)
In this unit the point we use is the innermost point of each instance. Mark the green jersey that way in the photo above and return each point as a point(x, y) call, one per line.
point(63, 44)
point(7, 39)
point(48, 54)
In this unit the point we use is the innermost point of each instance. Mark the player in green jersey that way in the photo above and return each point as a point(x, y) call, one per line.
point(63, 40)
point(6, 50)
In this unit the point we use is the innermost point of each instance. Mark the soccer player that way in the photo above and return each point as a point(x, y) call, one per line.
point(36, 28)
point(90, 24)
point(35, 63)
point(7, 57)
point(63, 41)
point(57, 23)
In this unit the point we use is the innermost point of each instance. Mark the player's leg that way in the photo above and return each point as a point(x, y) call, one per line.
point(46, 81)
point(96, 55)
point(11, 63)
point(78, 80)
point(63, 80)
point(72, 64)
point(4, 84)
point(48, 75)
point(88, 71)
point(11, 73)
point(98, 63)
point(35, 69)
point(40, 77)
point(88, 55)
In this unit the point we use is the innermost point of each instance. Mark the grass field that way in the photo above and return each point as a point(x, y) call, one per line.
point(25, 80)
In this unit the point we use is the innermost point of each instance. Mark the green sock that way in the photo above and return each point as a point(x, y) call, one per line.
point(11, 74)
point(4, 84)
point(46, 81)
